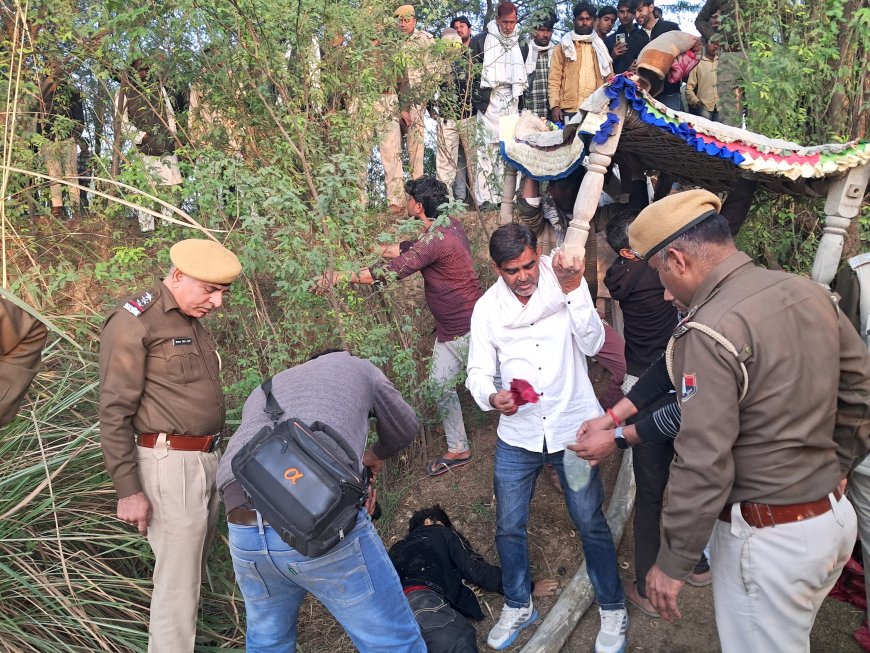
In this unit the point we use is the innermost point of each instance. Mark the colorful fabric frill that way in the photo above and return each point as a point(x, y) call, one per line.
point(541, 163)
point(745, 149)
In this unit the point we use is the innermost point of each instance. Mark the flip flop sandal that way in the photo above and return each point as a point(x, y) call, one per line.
point(444, 465)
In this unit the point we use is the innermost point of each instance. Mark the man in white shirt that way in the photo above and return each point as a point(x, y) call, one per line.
point(538, 324)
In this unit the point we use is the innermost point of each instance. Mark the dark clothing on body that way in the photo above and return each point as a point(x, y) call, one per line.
point(649, 320)
point(439, 558)
point(444, 630)
point(432, 562)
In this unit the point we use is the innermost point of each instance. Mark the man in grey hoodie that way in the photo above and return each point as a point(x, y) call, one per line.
point(355, 580)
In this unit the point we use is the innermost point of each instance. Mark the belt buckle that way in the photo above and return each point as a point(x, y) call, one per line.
point(755, 509)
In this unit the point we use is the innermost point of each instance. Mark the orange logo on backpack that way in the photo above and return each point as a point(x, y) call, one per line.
point(293, 475)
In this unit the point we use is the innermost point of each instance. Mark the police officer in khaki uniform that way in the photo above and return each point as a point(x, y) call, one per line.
point(774, 388)
point(22, 338)
point(161, 414)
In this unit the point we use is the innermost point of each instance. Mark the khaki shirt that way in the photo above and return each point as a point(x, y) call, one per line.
point(808, 402)
point(22, 338)
point(159, 373)
point(422, 66)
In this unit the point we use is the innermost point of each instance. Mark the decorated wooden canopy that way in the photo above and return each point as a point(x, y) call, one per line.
point(624, 122)
point(712, 154)
point(696, 150)
point(621, 119)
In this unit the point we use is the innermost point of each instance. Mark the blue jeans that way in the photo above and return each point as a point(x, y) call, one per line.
point(709, 115)
point(516, 471)
point(355, 581)
point(671, 101)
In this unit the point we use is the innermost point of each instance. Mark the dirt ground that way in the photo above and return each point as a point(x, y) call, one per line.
point(466, 495)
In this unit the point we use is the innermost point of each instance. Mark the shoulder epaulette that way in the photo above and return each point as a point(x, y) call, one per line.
point(140, 303)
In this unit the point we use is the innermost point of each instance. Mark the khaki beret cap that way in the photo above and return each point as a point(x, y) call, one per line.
point(404, 11)
point(205, 260)
point(664, 221)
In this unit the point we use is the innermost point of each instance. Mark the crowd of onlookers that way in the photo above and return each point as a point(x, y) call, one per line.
point(500, 73)
point(486, 76)
point(755, 436)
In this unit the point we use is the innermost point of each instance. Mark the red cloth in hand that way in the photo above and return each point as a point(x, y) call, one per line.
point(523, 392)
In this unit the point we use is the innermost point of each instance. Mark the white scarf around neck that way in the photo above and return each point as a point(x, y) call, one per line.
point(535, 51)
point(503, 63)
point(605, 63)
point(547, 299)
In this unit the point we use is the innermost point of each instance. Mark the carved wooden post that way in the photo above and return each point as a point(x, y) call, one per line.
point(842, 205)
point(590, 189)
point(509, 190)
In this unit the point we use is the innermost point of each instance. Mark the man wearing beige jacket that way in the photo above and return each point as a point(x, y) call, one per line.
point(580, 64)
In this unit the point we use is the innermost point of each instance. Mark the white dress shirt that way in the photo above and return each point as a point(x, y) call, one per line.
point(544, 342)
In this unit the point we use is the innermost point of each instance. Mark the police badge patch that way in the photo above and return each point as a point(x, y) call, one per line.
point(136, 306)
point(690, 386)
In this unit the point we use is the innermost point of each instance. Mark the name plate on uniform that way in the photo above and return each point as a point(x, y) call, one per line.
point(182, 341)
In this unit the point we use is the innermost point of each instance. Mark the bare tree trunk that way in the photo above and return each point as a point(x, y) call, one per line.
point(845, 118)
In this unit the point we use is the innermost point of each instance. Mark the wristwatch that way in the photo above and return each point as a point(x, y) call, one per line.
point(621, 442)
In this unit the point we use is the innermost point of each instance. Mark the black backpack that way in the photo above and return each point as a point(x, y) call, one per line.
point(310, 497)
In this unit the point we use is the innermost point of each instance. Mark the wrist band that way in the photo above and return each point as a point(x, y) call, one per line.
point(613, 416)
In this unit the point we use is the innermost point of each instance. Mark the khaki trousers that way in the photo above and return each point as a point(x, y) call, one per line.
point(450, 134)
point(184, 504)
point(61, 161)
point(164, 169)
point(769, 583)
point(391, 146)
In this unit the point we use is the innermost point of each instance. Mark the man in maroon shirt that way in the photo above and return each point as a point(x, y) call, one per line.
point(442, 255)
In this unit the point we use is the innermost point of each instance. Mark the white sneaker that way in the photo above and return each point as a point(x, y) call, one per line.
point(611, 637)
point(510, 623)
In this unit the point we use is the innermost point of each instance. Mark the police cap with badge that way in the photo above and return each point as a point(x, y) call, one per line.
point(656, 227)
point(205, 260)
point(662, 222)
